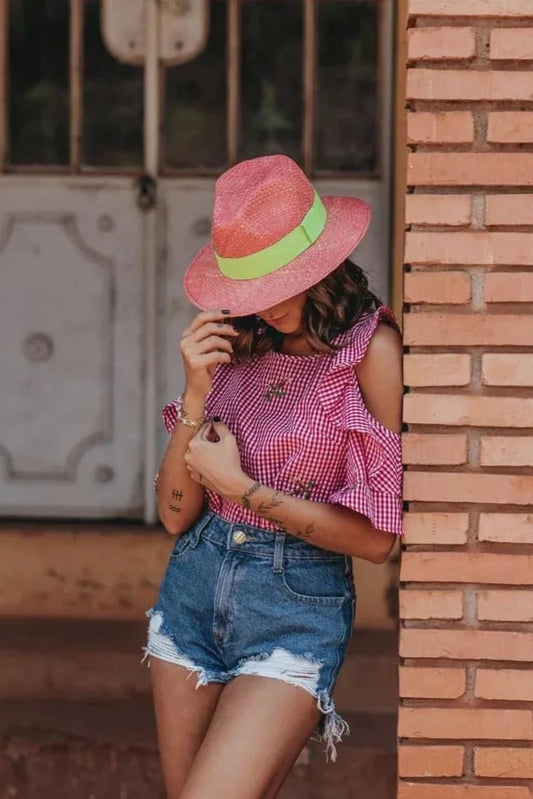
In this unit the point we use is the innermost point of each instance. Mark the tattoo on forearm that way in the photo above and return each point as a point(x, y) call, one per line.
point(307, 532)
point(245, 499)
point(176, 493)
point(275, 501)
point(174, 508)
point(265, 509)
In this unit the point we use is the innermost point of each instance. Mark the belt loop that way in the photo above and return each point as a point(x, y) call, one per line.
point(277, 566)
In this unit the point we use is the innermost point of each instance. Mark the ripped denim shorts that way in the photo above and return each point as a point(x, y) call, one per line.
point(238, 599)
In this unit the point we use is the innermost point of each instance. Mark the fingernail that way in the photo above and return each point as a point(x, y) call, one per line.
point(225, 312)
point(217, 419)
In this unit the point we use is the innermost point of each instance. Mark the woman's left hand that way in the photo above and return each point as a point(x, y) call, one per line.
point(215, 464)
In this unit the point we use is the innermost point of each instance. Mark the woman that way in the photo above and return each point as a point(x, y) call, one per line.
point(284, 462)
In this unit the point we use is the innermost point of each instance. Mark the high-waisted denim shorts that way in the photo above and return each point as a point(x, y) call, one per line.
point(237, 599)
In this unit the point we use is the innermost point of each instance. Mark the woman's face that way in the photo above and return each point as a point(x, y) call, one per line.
point(286, 316)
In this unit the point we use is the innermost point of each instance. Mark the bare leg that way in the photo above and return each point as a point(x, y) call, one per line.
point(259, 727)
point(183, 713)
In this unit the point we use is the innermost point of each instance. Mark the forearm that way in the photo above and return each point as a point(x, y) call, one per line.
point(179, 497)
point(332, 527)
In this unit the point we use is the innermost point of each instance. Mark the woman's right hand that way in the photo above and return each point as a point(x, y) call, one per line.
point(205, 343)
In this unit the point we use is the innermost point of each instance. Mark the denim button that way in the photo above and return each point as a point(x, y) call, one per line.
point(239, 537)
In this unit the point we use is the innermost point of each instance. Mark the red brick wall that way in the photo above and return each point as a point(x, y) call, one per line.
point(466, 601)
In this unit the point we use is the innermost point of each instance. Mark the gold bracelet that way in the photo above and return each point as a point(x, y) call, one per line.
point(186, 420)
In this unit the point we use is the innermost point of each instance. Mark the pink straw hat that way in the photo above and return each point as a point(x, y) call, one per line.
point(272, 237)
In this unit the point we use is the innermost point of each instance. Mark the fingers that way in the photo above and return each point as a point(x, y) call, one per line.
point(202, 318)
point(204, 433)
point(212, 343)
point(209, 359)
point(209, 338)
point(221, 429)
point(210, 328)
point(197, 476)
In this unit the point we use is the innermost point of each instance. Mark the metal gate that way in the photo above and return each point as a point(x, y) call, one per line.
point(113, 128)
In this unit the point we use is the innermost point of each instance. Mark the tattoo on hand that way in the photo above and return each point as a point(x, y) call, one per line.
point(176, 493)
point(245, 499)
point(174, 508)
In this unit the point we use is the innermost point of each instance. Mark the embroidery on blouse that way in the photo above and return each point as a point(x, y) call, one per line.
point(277, 389)
point(305, 488)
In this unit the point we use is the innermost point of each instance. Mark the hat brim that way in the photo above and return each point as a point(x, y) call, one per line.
point(207, 288)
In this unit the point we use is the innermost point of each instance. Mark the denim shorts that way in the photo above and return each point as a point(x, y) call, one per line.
point(238, 599)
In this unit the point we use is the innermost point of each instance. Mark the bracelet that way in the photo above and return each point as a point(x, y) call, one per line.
point(186, 420)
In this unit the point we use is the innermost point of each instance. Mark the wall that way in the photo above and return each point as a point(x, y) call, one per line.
point(466, 599)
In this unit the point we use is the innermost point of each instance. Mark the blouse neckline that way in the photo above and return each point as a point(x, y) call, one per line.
point(295, 355)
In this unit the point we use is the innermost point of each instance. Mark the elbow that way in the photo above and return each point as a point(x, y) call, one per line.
point(384, 546)
point(380, 557)
point(171, 525)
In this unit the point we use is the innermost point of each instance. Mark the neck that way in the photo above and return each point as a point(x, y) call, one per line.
point(295, 344)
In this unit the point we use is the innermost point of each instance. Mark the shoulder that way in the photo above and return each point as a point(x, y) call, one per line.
point(371, 327)
point(383, 350)
point(380, 376)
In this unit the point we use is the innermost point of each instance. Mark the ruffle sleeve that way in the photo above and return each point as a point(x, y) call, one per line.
point(374, 470)
point(169, 415)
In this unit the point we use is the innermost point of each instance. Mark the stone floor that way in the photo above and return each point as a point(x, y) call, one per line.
point(76, 719)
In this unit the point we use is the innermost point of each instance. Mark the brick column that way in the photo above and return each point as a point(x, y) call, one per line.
point(466, 600)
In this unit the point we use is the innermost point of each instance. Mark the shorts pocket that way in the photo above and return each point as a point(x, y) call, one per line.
point(314, 581)
point(181, 546)
point(190, 538)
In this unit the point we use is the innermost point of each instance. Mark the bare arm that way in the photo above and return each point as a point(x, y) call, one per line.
point(179, 497)
point(329, 526)
point(204, 344)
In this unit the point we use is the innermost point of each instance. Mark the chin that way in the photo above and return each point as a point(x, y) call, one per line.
point(284, 327)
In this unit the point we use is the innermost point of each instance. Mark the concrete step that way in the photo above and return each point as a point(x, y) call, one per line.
point(108, 750)
point(77, 722)
point(74, 660)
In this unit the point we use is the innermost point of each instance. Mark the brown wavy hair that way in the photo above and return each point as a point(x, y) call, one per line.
point(332, 306)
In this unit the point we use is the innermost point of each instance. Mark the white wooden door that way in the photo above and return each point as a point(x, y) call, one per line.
point(70, 348)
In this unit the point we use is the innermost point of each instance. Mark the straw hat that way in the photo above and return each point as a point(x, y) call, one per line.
point(273, 237)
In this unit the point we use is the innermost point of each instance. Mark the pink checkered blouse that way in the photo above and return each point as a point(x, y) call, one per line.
point(302, 428)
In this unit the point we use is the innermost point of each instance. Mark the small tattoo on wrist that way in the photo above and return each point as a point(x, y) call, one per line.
point(176, 493)
point(174, 508)
point(245, 499)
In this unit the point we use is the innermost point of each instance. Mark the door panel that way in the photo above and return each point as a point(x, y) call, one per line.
point(71, 348)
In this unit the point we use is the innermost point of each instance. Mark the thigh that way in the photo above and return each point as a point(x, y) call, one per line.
point(259, 728)
point(183, 713)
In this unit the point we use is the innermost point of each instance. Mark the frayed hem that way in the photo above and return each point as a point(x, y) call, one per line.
point(162, 646)
point(331, 728)
point(302, 671)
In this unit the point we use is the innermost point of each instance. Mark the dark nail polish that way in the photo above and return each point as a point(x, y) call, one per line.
point(217, 419)
point(224, 312)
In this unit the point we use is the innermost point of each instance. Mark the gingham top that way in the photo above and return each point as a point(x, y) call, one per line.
point(302, 428)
